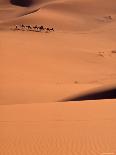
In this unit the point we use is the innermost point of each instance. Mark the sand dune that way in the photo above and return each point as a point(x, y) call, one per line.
point(40, 74)
point(65, 128)
point(74, 15)
point(37, 69)
point(10, 9)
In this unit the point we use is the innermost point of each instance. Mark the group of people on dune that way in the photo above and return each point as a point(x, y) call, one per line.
point(35, 28)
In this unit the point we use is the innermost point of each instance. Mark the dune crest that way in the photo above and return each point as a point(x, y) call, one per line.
point(11, 9)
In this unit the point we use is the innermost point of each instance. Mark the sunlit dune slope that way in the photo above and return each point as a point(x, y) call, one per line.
point(10, 9)
point(82, 49)
point(64, 15)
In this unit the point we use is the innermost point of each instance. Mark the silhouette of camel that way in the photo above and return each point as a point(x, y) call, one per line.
point(16, 27)
point(29, 27)
point(41, 28)
point(22, 26)
point(36, 27)
point(49, 29)
point(108, 18)
point(52, 29)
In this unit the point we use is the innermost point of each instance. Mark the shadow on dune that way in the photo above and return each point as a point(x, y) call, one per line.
point(28, 12)
point(30, 3)
point(23, 3)
point(11, 9)
point(98, 94)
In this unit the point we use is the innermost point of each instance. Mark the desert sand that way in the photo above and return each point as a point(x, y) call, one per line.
point(38, 70)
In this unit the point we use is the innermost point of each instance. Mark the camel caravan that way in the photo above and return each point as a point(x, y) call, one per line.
point(35, 28)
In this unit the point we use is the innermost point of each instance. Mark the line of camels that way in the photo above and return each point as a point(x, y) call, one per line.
point(35, 28)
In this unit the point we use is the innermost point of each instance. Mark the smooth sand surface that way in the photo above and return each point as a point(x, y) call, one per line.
point(38, 69)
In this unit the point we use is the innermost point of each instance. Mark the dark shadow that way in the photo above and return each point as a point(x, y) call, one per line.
point(98, 94)
point(23, 3)
point(28, 12)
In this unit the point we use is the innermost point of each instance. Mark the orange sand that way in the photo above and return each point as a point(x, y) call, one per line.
point(38, 69)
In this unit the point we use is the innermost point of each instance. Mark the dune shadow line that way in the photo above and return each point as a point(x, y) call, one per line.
point(94, 95)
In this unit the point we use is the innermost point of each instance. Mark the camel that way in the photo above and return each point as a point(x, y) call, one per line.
point(16, 27)
point(108, 18)
point(52, 29)
point(29, 27)
point(41, 28)
point(49, 29)
point(36, 27)
point(23, 26)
